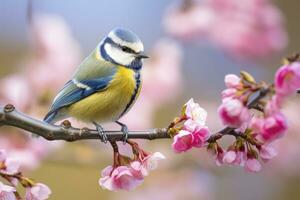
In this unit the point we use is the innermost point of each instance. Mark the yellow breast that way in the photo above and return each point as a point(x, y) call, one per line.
point(107, 105)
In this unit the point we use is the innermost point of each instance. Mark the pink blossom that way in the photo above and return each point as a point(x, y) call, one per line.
point(39, 191)
point(287, 79)
point(120, 178)
point(252, 165)
point(267, 152)
point(7, 192)
point(229, 93)
point(229, 157)
point(148, 164)
point(240, 158)
point(232, 81)
point(274, 105)
point(183, 141)
point(11, 166)
point(256, 124)
point(201, 134)
point(193, 135)
point(274, 127)
point(195, 112)
point(233, 113)
point(234, 158)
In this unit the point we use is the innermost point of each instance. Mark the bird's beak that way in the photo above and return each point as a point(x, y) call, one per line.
point(142, 55)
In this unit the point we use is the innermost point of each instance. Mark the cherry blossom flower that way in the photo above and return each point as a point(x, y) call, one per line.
point(252, 165)
point(232, 81)
point(148, 164)
point(11, 166)
point(287, 79)
point(183, 141)
point(229, 157)
point(229, 93)
point(7, 192)
point(274, 105)
point(195, 112)
point(233, 113)
point(119, 178)
point(39, 191)
point(8, 165)
point(274, 127)
point(234, 158)
point(267, 152)
point(194, 135)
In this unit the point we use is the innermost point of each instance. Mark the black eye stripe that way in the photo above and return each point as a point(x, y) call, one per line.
point(127, 49)
point(124, 48)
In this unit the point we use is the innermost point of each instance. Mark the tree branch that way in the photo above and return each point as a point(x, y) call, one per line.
point(9, 116)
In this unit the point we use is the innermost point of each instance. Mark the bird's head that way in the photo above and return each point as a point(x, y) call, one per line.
point(123, 47)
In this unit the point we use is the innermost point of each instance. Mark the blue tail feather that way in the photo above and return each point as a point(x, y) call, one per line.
point(50, 117)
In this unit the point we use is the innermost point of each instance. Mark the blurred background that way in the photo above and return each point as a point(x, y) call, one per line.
point(192, 45)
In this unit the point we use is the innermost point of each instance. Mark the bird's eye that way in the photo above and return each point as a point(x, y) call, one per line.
point(127, 49)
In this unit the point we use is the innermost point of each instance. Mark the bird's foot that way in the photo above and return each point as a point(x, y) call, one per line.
point(101, 132)
point(125, 131)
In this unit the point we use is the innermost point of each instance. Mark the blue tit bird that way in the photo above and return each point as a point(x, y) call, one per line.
point(105, 85)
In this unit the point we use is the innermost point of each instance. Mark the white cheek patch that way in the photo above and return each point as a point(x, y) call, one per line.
point(118, 55)
point(136, 46)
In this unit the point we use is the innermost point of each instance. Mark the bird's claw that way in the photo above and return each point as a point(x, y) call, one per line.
point(124, 130)
point(101, 132)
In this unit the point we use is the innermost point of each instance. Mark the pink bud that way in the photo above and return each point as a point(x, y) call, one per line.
point(229, 93)
point(232, 81)
point(233, 113)
point(287, 79)
point(148, 164)
point(252, 165)
point(256, 124)
point(229, 157)
point(274, 105)
point(240, 158)
point(218, 156)
point(39, 191)
point(11, 166)
point(267, 152)
point(274, 127)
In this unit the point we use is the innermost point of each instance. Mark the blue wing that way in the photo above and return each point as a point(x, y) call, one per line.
point(74, 91)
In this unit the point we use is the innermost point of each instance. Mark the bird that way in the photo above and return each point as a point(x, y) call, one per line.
point(105, 85)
